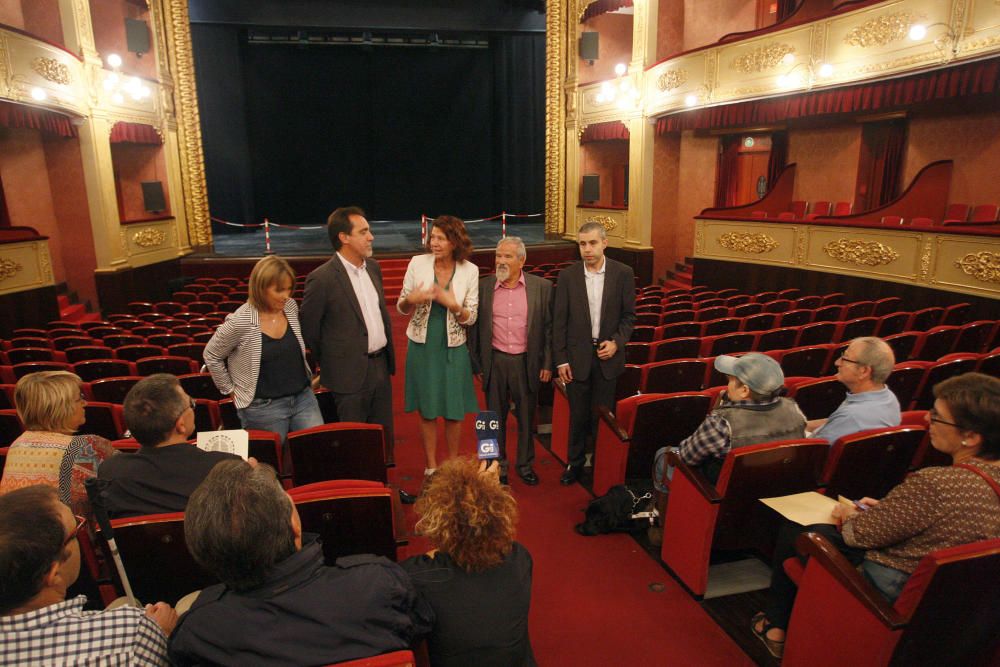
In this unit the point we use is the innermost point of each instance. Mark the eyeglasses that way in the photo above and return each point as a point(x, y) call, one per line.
point(80, 523)
point(191, 404)
point(932, 415)
point(851, 361)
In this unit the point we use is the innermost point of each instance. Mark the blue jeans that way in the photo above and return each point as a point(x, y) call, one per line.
point(888, 580)
point(281, 415)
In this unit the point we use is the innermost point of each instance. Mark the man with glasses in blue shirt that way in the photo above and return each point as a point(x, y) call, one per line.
point(863, 368)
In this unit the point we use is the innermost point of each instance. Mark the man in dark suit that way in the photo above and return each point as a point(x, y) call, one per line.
point(346, 325)
point(511, 348)
point(593, 320)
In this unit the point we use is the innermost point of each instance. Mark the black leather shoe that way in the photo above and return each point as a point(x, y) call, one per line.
point(528, 477)
point(406, 498)
point(570, 475)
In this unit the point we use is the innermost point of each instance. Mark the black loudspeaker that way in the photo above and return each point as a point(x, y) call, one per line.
point(591, 187)
point(588, 45)
point(137, 36)
point(152, 197)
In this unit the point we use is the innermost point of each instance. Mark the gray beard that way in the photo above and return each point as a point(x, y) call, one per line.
point(503, 273)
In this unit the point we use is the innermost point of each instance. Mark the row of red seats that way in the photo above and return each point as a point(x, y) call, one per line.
point(910, 381)
point(920, 345)
point(192, 350)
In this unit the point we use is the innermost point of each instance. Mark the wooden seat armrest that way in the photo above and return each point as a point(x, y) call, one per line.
point(697, 480)
point(816, 546)
point(608, 418)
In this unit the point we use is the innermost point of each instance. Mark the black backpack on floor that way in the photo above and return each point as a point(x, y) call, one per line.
point(615, 512)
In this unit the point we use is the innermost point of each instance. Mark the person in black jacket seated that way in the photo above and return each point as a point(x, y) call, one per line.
point(278, 604)
point(478, 579)
point(167, 468)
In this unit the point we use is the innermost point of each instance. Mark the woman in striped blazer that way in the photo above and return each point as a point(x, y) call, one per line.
point(257, 356)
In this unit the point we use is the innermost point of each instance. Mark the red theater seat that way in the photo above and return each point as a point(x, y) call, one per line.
point(664, 377)
point(701, 517)
point(675, 348)
point(628, 439)
point(351, 517)
point(345, 450)
point(906, 379)
point(819, 398)
point(945, 615)
point(872, 462)
point(890, 324)
point(946, 367)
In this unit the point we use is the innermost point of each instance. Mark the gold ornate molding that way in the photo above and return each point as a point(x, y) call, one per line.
point(762, 58)
point(192, 157)
point(149, 237)
point(9, 268)
point(605, 221)
point(557, 28)
point(880, 30)
point(51, 69)
point(748, 242)
point(671, 79)
point(983, 266)
point(862, 253)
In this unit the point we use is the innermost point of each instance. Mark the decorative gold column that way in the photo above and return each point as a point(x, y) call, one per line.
point(78, 31)
point(98, 176)
point(180, 62)
point(557, 22)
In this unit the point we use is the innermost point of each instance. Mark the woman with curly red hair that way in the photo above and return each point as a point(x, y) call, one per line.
point(478, 578)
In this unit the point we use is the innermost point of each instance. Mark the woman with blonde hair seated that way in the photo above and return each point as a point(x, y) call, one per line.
point(477, 578)
point(51, 407)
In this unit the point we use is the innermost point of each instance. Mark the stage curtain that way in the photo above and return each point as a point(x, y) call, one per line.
point(134, 133)
point(727, 171)
point(778, 157)
point(603, 7)
point(786, 8)
point(972, 79)
point(50, 122)
point(609, 131)
point(519, 121)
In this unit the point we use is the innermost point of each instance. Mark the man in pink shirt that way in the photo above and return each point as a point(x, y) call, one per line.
point(511, 348)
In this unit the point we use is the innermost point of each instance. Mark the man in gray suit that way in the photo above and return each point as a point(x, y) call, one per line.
point(593, 320)
point(511, 348)
point(346, 325)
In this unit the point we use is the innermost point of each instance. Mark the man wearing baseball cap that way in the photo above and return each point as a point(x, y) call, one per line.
point(750, 411)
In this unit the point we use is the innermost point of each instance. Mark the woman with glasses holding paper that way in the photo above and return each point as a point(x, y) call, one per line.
point(51, 406)
point(932, 509)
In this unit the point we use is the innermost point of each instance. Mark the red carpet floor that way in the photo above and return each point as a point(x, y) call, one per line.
point(592, 602)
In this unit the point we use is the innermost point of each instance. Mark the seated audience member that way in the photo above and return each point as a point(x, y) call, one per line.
point(934, 508)
point(39, 560)
point(166, 470)
point(50, 405)
point(278, 603)
point(750, 411)
point(477, 579)
point(863, 368)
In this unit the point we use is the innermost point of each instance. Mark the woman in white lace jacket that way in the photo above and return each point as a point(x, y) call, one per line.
point(441, 295)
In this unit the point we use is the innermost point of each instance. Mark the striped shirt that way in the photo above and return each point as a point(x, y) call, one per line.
point(233, 354)
point(64, 634)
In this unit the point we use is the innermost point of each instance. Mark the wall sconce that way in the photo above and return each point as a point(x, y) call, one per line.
point(621, 89)
point(703, 95)
point(947, 43)
point(118, 85)
point(803, 74)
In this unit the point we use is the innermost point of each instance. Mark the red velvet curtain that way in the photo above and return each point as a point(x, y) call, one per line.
point(977, 78)
point(881, 163)
point(778, 157)
point(134, 133)
point(611, 130)
point(18, 116)
point(786, 8)
point(603, 7)
point(727, 171)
